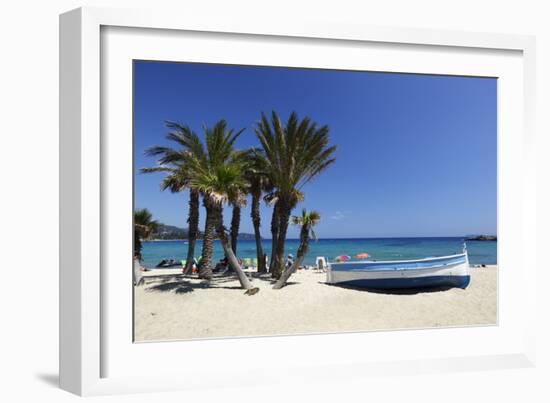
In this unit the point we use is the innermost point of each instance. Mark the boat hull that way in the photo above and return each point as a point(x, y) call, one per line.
point(448, 271)
point(415, 282)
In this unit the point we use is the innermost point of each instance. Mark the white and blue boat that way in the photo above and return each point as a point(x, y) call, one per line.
point(444, 271)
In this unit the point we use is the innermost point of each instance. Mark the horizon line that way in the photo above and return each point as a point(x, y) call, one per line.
point(360, 237)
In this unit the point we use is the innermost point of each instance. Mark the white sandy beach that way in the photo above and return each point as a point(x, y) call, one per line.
point(173, 307)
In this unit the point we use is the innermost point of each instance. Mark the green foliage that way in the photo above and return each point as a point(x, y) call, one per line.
point(144, 223)
point(172, 161)
point(294, 153)
point(219, 172)
point(307, 220)
point(144, 227)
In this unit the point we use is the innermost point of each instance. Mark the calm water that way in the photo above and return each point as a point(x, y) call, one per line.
point(479, 252)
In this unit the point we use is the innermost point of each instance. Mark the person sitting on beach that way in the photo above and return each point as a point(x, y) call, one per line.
point(221, 265)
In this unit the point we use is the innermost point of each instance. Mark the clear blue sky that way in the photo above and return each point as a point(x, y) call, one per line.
point(416, 153)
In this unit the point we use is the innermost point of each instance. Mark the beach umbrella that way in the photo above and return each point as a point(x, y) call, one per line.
point(341, 258)
point(363, 255)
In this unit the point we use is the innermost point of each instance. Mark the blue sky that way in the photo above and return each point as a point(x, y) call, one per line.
point(416, 153)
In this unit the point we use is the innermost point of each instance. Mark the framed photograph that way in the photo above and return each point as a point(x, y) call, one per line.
point(245, 197)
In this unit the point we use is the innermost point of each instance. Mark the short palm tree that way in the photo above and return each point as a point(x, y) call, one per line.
point(307, 221)
point(295, 153)
point(144, 227)
point(172, 162)
point(221, 184)
point(202, 169)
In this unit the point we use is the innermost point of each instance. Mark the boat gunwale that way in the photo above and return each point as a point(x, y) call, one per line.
point(394, 269)
point(465, 254)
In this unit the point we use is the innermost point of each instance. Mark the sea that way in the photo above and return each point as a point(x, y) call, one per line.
point(479, 252)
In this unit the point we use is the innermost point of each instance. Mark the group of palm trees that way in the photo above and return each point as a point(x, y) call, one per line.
point(290, 155)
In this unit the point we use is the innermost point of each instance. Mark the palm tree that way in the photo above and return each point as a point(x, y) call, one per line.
point(202, 168)
point(220, 184)
point(235, 225)
point(271, 200)
point(144, 227)
point(295, 153)
point(244, 158)
point(172, 162)
point(258, 184)
point(235, 222)
point(307, 220)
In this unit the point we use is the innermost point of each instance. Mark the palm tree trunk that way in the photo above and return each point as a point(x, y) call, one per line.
point(255, 215)
point(301, 254)
point(284, 216)
point(231, 258)
point(193, 222)
point(205, 265)
point(274, 236)
point(235, 224)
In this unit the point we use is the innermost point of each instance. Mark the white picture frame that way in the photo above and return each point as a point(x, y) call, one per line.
point(88, 335)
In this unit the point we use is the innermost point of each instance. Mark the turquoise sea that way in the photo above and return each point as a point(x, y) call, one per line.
point(479, 252)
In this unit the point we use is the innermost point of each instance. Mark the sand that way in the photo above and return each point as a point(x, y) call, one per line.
point(171, 307)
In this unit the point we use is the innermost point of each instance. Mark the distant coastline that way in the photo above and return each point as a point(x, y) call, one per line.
point(242, 237)
point(250, 237)
point(481, 238)
point(165, 232)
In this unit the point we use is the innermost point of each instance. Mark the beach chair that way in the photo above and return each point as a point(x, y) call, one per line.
point(255, 263)
point(321, 263)
point(246, 262)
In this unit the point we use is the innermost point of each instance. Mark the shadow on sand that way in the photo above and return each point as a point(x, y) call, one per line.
point(184, 285)
point(268, 279)
point(398, 291)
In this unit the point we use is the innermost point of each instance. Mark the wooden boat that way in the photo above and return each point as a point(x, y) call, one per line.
point(445, 271)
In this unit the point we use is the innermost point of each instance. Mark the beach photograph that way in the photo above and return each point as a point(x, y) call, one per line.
point(273, 201)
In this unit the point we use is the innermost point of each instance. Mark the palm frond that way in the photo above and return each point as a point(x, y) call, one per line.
point(307, 218)
point(292, 154)
point(144, 223)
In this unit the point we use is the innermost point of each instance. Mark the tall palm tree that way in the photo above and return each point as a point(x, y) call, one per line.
point(172, 162)
point(202, 167)
point(244, 158)
point(235, 225)
point(258, 183)
point(235, 222)
point(271, 200)
point(295, 153)
point(144, 227)
point(307, 220)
